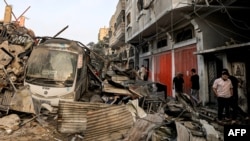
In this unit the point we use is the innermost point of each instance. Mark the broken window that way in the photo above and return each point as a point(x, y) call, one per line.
point(131, 63)
point(45, 67)
point(140, 5)
point(121, 18)
point(184, 34)
point(124, 54)
point(128, 19)
point(162, 42)
point(131, 52)
point(145, 48)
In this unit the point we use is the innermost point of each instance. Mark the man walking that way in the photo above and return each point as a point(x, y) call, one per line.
point(223, 89)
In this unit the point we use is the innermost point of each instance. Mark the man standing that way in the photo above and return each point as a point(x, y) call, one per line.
point(178, 83)
point(142, 72)
point(195, 86)
point(223, 89)
point(234, 99)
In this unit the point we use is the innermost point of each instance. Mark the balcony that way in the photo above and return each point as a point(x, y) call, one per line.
point(118, 38)
point(154, 14)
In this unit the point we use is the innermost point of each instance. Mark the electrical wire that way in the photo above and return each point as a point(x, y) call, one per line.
point(226, 29)
point(195, 11)
point(233, 20)
point(209, 23)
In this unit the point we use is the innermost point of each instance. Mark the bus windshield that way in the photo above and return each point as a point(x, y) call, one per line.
point(51, 67)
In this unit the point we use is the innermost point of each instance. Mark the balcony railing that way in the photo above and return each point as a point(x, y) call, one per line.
point(118, 37)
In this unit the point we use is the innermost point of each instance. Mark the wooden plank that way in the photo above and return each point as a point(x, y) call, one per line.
point(111, 89)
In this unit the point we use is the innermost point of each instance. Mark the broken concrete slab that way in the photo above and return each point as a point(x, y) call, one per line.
point(10, 123)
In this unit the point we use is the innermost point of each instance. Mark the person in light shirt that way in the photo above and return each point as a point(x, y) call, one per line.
point(142, 72)
point(223, 89)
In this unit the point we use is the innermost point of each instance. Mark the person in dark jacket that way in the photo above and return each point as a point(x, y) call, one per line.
point(178, 82)
point(195, 86)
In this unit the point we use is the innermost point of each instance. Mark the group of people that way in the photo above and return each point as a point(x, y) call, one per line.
point(178, 82)
point(225, 89)
point(142, 73)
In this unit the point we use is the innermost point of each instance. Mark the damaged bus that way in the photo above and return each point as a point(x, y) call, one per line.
point(56, 70)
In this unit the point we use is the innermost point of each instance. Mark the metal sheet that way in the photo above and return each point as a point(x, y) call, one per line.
point(103, 123)
point(163, 70)
point(72, 115)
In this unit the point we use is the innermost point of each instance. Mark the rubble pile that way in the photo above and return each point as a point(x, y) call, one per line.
point(125, 122)
point(144, 112)
point(15, 45)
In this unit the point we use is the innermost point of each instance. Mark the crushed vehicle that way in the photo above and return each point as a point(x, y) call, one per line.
point(56, 70)
point(36, 70)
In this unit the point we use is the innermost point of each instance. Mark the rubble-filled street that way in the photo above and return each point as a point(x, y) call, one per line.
point(149, 117)
point(164, 70)
point(125, 109)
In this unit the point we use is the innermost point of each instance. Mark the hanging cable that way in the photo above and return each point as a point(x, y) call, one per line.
point(216, 30)
point(233, 20)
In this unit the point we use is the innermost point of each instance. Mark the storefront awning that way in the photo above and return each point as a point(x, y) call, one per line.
point(222, 48)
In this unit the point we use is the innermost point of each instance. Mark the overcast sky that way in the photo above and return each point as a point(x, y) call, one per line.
point(47, 17)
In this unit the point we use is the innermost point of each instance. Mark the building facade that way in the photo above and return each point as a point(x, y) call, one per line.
point(103, 32)
point(171, 36)
point(117, 36)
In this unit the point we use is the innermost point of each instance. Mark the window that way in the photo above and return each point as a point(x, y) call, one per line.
point(162, 42)
point(115, 26)
point(131, 63)
point(128, 19)
point(184, 34)
point(140, 5)
point(120, 18)
point(145, 48)
point(124, 54)
point(131, 52)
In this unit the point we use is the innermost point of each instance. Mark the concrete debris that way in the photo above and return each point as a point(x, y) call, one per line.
point(211, 133)
point(10, 123)
point(183, 133)
point(135, 109)
point(144, 127)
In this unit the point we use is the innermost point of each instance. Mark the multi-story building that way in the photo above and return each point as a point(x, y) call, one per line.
point(162, 37)
point(103, 32)
point(117, 35)
point(170, 36)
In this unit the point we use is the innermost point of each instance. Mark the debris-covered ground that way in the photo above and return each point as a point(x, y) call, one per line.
point(125, 110)
point(147, 118)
